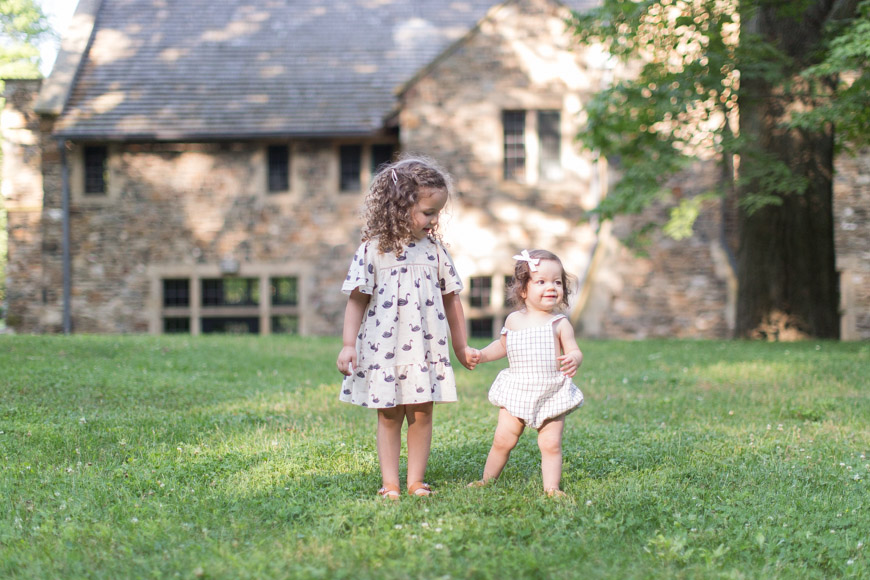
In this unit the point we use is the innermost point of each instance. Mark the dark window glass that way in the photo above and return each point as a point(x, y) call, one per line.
point(514, 123)
point(480, 292)
point(381, 155)
point(175, 325)
point(481, 327)
point(231, 325)
point(279, 168)
point(176, 293)
point(550, 139)
point(284, 291)
point(350, 165)
point(95, 170)
point(285, 325)
point(230, 292)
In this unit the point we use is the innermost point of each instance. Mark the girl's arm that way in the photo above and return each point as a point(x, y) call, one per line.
point(357, 303)
point(456, 320)
point(572, 357)
point(495, 350)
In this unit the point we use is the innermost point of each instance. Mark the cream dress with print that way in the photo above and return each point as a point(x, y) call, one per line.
point(403, 355)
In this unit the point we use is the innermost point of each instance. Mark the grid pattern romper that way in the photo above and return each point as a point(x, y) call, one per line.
point(532, 388)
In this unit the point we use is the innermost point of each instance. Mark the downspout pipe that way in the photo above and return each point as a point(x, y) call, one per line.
point(67, 281)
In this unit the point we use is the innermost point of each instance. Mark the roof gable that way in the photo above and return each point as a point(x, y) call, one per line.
point(222, 68)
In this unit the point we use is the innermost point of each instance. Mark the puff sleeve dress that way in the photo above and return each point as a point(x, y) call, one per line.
point(403, 355)
point(533, 388)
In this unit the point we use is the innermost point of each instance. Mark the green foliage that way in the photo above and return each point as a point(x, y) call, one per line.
point(682, 104)
point(231, 457)
point(847, 61)
point(22, 25)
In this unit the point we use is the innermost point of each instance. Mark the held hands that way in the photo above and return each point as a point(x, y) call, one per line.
point(472, 358)
point(346, 360)
point(570, 362)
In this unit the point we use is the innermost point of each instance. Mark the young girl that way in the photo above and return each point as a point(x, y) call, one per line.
point(536, 390)
point(403, 296)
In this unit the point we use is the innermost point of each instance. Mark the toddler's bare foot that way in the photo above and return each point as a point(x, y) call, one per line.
point(556, 493)
point(480, 483)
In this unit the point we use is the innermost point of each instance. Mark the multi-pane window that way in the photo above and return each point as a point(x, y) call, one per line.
point(231, 305)
point(514, 124)
point(176, 292)
point(279, 168)
point(230, 292)
point(381, 155)
point(508, 280)
point(481, 327)
point(350, 165)
point(480, 291)
point(540, 163)
point(95, 165)
point(285, 291)
point(550, 145)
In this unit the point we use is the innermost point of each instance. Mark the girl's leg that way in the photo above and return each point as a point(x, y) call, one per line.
point(419, 439)
point(390, 443)
point(550, 444)
point(507, 433)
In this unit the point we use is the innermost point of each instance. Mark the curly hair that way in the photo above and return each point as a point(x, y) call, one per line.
point(393, 193)
point(522, 275)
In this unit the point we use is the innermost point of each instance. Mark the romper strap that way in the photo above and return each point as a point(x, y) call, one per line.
point(557, 317)
point(504, 330)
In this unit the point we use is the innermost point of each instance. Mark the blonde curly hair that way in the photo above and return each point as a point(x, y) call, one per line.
point(393, 193)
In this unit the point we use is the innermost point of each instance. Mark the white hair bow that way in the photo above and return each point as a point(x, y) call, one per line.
point(525, 257)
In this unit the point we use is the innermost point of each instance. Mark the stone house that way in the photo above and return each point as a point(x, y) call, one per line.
point(199, 167)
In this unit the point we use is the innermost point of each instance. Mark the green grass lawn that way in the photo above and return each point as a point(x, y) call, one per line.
point(231, 457)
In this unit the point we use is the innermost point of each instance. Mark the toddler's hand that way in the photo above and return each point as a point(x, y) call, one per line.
point(472, 357)
point(346, 360)
point(568, 364)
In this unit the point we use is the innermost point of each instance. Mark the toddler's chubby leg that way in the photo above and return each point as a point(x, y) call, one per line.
point(550, 444)
point(390, 444)
point(507, 433)
point(419, 440)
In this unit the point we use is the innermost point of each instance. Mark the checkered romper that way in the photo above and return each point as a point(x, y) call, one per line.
point(532, 388)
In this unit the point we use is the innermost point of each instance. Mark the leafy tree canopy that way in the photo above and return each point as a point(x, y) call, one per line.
point(691, 57)
point(23, 25)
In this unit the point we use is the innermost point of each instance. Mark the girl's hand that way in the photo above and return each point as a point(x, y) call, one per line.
point(346, 360)
point(472, 357)
point(569, 363)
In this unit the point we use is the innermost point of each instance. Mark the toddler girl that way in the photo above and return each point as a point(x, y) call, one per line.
point(403, 296)
point(536, 390)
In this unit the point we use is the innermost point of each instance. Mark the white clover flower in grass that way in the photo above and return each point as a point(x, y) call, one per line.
point(439, 546)
point(398, 526)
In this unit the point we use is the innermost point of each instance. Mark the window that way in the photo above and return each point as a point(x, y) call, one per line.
point(481, 327)
point(550, 145)
point(230, 292)
point(95, 162)
point(279, 168)
point(480, 291)
point(381, 155)
point(176, 292)
point(514, 123)
point(264, 304)
point(176, 325)
point(350, 165)
point(542, 162)
point(284, 291)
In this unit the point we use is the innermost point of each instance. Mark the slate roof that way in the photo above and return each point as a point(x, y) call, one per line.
point(255, 68)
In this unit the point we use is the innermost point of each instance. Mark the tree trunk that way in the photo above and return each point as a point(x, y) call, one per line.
point(786, 269)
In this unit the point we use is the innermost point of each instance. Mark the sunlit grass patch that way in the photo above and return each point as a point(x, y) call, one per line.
point(231, 457)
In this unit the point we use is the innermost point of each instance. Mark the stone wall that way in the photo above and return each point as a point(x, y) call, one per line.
point(852, 242)
point(453, 113)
